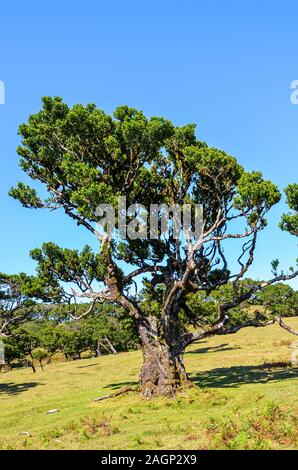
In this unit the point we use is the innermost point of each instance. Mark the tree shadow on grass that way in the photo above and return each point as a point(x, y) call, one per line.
point(219, 348)
point(89, 365)
point(233, 377)
point(121, 384)
point(12, 388)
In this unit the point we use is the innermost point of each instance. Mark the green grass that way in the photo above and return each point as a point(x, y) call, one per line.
point(240, 401)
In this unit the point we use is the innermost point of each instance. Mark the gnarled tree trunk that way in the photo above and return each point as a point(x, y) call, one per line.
point(163, 371)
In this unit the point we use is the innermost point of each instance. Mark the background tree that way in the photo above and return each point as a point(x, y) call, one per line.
point(109, 330)
point(72, 340)
point(20, 299)
point(40, 355)
point(20, 346)
point(84, 158)
point(278, 300)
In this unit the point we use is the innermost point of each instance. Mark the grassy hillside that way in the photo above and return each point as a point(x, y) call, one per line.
point(245, 398)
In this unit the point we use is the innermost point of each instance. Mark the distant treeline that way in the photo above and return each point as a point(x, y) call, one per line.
point(106, 331)
point(55, 332)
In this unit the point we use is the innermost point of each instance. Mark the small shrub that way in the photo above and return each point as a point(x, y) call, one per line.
point(137, 440)
point(272, 411)
point(240, 441)
point(93, 425)
point(87, 354)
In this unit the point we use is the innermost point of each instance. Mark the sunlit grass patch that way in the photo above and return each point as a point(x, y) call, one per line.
point(245, 397)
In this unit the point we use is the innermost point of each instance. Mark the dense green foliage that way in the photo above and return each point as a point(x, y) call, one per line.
point(290, 221)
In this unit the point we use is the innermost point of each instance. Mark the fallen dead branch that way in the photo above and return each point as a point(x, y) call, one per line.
point(116, 394)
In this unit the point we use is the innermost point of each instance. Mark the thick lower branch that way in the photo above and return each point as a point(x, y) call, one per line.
point(221, 329)
point(286, 327)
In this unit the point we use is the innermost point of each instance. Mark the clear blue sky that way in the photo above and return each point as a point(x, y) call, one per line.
point(225, 65)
